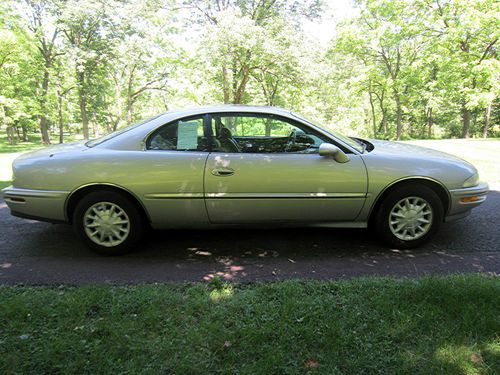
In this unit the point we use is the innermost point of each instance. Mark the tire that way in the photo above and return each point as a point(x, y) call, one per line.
point(409, 216)
point(108, 222)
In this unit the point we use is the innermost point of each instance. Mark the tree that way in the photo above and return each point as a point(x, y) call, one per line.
point(467, 32)
point(18, 76)
point(91, 37)
point(248, 40)
point(44, 33)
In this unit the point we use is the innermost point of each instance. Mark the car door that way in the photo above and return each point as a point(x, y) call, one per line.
point(265, 168)
point(171, 180)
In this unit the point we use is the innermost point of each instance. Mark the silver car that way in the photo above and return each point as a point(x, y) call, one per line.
point(240, 165)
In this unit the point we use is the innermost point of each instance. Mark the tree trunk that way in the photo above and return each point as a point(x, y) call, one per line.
point(83, 104)
point(11, 135)
point(268, 127)
point(25, 133)
point(466, 116)
point(399, 116)
point(225, 85)
point(374, 120)
point(60, 115)
point(487, 119)
point(129, 110)
point(44, 130)
point(429, 123)
point(43, 107)
point(240, 91)
point(383, 120)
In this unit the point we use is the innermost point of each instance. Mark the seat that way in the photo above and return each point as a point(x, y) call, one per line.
point(227, 142)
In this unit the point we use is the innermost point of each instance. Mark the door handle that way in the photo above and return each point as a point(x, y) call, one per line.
point(222, 172)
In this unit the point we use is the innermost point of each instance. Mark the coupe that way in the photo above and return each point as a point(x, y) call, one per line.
point(240, 165)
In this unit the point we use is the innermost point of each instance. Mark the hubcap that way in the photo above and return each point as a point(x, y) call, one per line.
point(410, 218)
point(106, 224)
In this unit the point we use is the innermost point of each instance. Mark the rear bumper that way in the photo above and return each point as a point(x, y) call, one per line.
point(465, 199)
point(45, 205)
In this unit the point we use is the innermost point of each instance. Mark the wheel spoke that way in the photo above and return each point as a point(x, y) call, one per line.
point(410, 218)
point(399, 227)
point(106, 224)
point(397, 214)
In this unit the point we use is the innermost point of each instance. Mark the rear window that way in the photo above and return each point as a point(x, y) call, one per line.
point(98, 141)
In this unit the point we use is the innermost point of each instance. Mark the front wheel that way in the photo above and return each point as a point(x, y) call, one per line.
point(108, 222)
point(409, 216)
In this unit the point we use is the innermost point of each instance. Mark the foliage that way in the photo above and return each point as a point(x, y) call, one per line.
point(396, 69)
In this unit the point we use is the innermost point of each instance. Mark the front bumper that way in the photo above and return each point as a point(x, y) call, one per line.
point(465, 199)
point(45, 205)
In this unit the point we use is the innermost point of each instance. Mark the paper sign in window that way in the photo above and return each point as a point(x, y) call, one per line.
point(187, 135)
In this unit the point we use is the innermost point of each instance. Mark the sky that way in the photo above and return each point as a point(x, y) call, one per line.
point(322, 30)
point(335, 11)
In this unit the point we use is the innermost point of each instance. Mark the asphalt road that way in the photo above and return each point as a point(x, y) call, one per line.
point(39, 253)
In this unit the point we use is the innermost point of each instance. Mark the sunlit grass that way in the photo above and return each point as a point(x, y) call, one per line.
point(483, 154)
point(34, 142)
point(438, 325)
point(9, 152)
point(467, 359)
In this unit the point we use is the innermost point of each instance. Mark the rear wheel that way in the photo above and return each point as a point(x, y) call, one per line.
point(409, 216)
point(108, 222)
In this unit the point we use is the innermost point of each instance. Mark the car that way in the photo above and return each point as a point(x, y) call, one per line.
point(230, 165)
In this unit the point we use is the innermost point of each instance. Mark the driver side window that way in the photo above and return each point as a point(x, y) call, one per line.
point(261, 134)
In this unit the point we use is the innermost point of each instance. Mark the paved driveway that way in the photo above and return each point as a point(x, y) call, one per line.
point(39, 253)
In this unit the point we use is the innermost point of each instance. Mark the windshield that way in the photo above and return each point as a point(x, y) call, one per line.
point(351, 142)
point(98, 141)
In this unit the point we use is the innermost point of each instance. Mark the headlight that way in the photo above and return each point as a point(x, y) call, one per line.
point(471, 181)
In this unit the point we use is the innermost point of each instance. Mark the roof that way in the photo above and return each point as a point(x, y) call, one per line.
point(230, 108)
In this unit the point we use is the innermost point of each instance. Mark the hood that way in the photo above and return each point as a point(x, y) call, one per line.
point(404, 149)
point(52, 150)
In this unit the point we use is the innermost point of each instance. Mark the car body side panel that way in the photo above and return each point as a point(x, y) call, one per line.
point(389, 165)
point(169, 184)
point(304, 188)
point(36, 204)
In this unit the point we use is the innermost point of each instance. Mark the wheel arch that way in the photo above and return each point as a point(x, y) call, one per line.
point(77, 194)
point(436, 186)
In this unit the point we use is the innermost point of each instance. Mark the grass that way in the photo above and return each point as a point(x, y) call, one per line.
point(482, 153)
point(445, 325)
point(9, 152)
point(437, 325)
point(34, 142)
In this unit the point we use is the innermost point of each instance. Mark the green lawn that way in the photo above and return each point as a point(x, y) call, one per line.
point(34, 142)
point(439, 325)
point(9, 152)
point(484, 154)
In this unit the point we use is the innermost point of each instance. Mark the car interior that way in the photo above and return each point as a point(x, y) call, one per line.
point(235, 134)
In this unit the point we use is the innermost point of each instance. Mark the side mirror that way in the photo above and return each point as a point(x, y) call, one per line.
point(327, 149)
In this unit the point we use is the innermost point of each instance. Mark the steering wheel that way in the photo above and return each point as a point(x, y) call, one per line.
point(291, 140)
